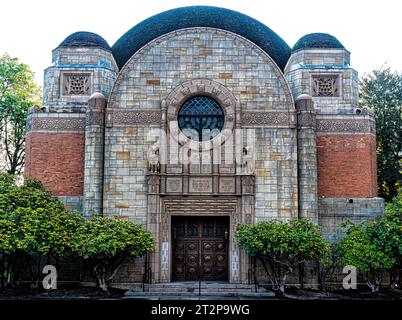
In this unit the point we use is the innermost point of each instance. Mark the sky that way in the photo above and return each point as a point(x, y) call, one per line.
point(370, 30)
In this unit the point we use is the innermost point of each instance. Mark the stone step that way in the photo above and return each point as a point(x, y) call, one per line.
point(196, 290)
point(155, 295)
point(203, 285)
point(192, 289)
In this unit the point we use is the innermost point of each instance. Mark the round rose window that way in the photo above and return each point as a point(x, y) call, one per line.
point(201, 118)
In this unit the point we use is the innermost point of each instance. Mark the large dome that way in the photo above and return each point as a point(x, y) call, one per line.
point(317, 41)
point(201, 16)
point(84, 39)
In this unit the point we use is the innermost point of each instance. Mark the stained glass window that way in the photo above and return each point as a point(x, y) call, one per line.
point(201, 118)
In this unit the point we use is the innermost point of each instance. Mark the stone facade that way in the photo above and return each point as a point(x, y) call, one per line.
point(293, 142)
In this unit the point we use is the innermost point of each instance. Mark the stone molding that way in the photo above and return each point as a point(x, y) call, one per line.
point(47, 122)
point(119, 117)
point(275, 119)
point(351, 125)
point(247, 43)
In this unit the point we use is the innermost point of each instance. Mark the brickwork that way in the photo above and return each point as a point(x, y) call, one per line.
point(56, 159)
point(346, 166)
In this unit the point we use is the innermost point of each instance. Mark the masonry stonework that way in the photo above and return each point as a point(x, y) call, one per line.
point(288, 142)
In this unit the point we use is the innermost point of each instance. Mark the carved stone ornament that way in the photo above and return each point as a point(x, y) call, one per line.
point(325, 85)
point(153, 159)
point(76, 84)
point(248, 160)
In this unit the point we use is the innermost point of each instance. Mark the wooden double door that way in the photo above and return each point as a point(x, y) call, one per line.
point(200, 248)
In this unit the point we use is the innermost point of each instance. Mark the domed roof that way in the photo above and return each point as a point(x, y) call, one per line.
point(201, 16)
point(84, 39)
point(319, 41)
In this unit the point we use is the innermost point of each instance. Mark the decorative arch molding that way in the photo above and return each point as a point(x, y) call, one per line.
point(112, 103)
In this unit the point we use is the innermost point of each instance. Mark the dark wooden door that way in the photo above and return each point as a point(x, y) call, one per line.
point(200, 248)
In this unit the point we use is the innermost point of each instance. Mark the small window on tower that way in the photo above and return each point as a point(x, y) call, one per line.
point(325, 85)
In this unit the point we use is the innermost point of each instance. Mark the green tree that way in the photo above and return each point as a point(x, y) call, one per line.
point(18, 92)
point(282, 246)
point(33, 225)
point(375, 247)
point(392, 219)
point(106, 243)
point(329, 264)
point(382, 90)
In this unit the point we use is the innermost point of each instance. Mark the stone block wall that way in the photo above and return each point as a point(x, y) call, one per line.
point(303, 65)
point(98, 64)
point(56, 138)
point(155, 71)
point(335, 211)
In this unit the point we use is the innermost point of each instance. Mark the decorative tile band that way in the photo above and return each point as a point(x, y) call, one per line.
point(76, 123)
point(133, 117)
point(58, 124)
point(264, 118)
point(306, 119)
point(345, 126)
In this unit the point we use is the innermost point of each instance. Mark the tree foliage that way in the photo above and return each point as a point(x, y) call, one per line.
point(282, 246)
point(18, 92)
point(106, 243)
point(376, 246)
point(33, 225)
point(382, 91)
point(329, 264)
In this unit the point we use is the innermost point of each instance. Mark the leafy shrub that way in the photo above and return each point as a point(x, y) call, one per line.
point(106, 243)
point(375, 247)
point(282, 246)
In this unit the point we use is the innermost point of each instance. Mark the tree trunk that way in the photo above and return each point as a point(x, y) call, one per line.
point(374, 286)
point(374, 281)
point(395, 276)
point(100, 273)
point(301, 275)
point(2, 270)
